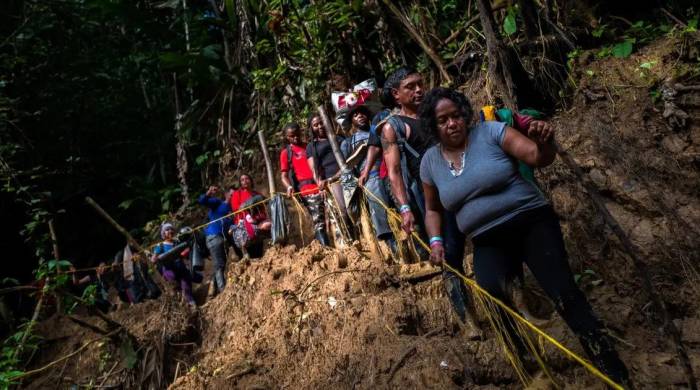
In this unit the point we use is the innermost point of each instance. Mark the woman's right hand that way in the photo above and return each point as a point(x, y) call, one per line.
point(437, 254)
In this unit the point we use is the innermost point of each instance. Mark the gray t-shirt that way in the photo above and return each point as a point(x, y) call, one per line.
point(490, 190)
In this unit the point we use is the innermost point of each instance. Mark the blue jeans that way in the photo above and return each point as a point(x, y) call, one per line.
point(380, 219)
point(217, 250)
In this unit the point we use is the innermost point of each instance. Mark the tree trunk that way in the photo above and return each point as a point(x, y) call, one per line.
point(268, 162)
point(57, 257)
point(531, 22)
point(181, 162)
point(498, 71)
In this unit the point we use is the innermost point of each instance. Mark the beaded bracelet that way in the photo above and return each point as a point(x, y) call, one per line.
point(435, 240)
point(404, 208)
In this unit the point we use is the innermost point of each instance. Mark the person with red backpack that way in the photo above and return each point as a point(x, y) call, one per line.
point(297, 176)
point(252, 222)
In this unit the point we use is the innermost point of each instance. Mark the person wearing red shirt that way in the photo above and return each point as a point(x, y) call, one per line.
point(297, 176)
point(252, 222)
point(246, 196)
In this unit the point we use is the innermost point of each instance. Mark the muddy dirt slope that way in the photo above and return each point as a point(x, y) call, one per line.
point(309, 317)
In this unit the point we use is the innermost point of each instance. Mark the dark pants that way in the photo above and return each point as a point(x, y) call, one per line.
point(177, 273)
point(535, 237)
point(216, 244)
point(453, 242)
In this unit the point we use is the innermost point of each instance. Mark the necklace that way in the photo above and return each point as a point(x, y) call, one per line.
point(453, 169)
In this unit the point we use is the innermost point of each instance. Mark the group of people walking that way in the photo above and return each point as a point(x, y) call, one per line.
point(450, 178)
point(224, 235)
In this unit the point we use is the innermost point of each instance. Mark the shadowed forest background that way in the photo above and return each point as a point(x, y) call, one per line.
point(142, 104)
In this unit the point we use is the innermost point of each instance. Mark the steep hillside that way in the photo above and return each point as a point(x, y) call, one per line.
point(309, 317)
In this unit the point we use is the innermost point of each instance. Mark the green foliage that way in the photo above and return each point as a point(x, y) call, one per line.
point(623, 49)
point(571, 57)
point(599, 31)
point(10, 362)
point(509, 26)
point(588, 275)
point(128, 353)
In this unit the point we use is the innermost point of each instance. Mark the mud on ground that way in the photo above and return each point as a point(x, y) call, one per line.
point(315, 318)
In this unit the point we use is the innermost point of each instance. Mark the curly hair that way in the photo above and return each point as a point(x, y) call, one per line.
point(426, 110)
point(393, 81)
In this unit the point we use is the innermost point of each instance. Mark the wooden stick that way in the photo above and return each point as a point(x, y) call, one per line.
point(39, 304)
point(8, 290)
point(33, 321)
point(633, 251)
point(114, 224)
point(87, 325)
point(330, 133)
point(421, 42)
point(54, 240)
point(109, 373)
point(420, 276)
point(130, 240)
point(56, 255)
point(268, 162)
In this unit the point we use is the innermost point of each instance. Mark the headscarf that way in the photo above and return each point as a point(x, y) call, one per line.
point(165, 226)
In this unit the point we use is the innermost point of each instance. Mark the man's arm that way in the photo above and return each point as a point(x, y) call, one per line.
point(284, 173)
point(392, 158)
point(208, 199)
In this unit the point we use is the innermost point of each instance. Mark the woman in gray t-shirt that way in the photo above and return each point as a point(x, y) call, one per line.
point(473, 172)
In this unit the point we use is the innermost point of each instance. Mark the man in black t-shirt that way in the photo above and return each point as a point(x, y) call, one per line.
point(404, 143)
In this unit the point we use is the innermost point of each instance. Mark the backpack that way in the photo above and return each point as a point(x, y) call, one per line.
point(292, 174)
point(507, 116)
point(411, 177)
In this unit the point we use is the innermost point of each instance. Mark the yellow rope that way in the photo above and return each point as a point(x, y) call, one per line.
point(336, 216)
point(202, 226)
point(475, 286)
point(300, 212)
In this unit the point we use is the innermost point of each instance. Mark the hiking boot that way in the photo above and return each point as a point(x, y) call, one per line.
point(457, 294)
